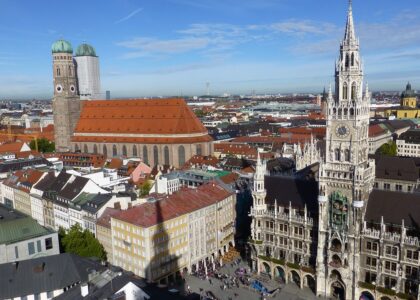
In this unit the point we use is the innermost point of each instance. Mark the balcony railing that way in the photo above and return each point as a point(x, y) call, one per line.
point(281, 216)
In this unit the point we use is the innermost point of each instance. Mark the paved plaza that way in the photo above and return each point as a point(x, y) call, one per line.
point(287, 292)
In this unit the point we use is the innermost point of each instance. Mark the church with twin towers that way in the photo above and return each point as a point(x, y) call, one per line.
point(337, 234)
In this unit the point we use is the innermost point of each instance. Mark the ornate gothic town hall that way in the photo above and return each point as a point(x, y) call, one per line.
point(337, 234)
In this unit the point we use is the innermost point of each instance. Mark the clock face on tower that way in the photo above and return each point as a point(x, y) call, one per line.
point(59, 88)
point(342, 130)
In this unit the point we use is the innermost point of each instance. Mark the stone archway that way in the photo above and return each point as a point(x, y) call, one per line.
point(266, 269)
point(295, 277)
point(309, 281)
point(279, 274)
point(338, 291)
point(366, 296)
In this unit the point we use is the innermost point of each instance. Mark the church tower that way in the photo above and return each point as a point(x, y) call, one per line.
point(346, 175)
point(258, 192)
point(66, 101)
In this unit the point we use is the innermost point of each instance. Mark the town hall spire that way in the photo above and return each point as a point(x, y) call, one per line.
point(350, 36)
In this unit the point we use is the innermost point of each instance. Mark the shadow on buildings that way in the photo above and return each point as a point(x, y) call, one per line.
point(243, 220)
point(165, 269)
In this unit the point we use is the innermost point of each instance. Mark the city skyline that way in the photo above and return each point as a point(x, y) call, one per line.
point(174, 47)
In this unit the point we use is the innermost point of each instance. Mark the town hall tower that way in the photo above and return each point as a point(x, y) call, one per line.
point(346, 175)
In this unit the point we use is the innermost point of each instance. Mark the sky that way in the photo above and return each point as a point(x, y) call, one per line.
point(174, 47)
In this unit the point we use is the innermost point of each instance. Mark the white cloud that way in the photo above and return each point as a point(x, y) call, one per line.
point(149, 46)
point(218, 39)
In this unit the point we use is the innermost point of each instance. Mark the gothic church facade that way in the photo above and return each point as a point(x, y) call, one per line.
point(338, 235)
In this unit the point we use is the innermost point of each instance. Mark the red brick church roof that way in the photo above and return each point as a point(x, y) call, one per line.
point(147, 121)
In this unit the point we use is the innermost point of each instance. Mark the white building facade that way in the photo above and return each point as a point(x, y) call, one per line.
point(88, 76)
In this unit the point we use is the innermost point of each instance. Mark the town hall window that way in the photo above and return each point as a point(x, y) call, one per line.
point(345, 91)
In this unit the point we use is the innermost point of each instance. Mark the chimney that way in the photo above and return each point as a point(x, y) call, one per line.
point(84, 289)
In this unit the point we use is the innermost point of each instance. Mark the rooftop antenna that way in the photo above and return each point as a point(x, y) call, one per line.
point(208, 88)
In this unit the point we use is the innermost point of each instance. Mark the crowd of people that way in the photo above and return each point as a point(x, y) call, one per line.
point(240, 278)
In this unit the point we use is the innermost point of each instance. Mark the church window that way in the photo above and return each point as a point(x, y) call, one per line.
point(337, 154)
point(58, 71)
point(353, 91)
point(347, 154)
point(199, 151)
point(134, 150)
point(124, 150)
point(339, 112)
point(95, 149)
point(347, 64)
point(351, 111)
point(145, 155)
point(166, 155)
point(155, 155)
point(85, 149)
point(352, 59)
point(104, 150)
point(345, 111)
point(114, 150)
point(345, 91)
point(181, 155)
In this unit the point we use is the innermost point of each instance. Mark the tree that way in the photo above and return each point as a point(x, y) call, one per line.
point(82, 243)
point(145, 189)
point(389, 149)
point(44, 145)
point(199, 113)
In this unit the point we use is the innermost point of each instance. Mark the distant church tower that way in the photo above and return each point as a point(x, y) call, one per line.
point(66, 101)
point(346, 175)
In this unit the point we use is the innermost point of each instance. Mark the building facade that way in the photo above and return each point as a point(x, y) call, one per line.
point(408, 108)
point(66, 101)
point(182, 232)
point(338, 235)
point(408, 144)
point(21, 238)
point(88, 76)
point(160, 131)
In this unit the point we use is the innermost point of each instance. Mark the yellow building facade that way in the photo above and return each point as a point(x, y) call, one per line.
point(408, 108)
point(164, 238)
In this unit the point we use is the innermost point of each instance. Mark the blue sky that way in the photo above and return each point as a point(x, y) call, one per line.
point(173, 47)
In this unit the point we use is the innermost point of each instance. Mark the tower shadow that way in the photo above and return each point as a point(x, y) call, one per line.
point(164, 268)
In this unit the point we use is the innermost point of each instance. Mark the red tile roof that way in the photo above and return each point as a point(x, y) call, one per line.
point(199, 160)
point(149, 117)
point(175, 205)
point(236, 149)
point(115, 164)
point(375, 130)
point(229, 178)
point(24, 179)
point(11, 147)
point(105, 219)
